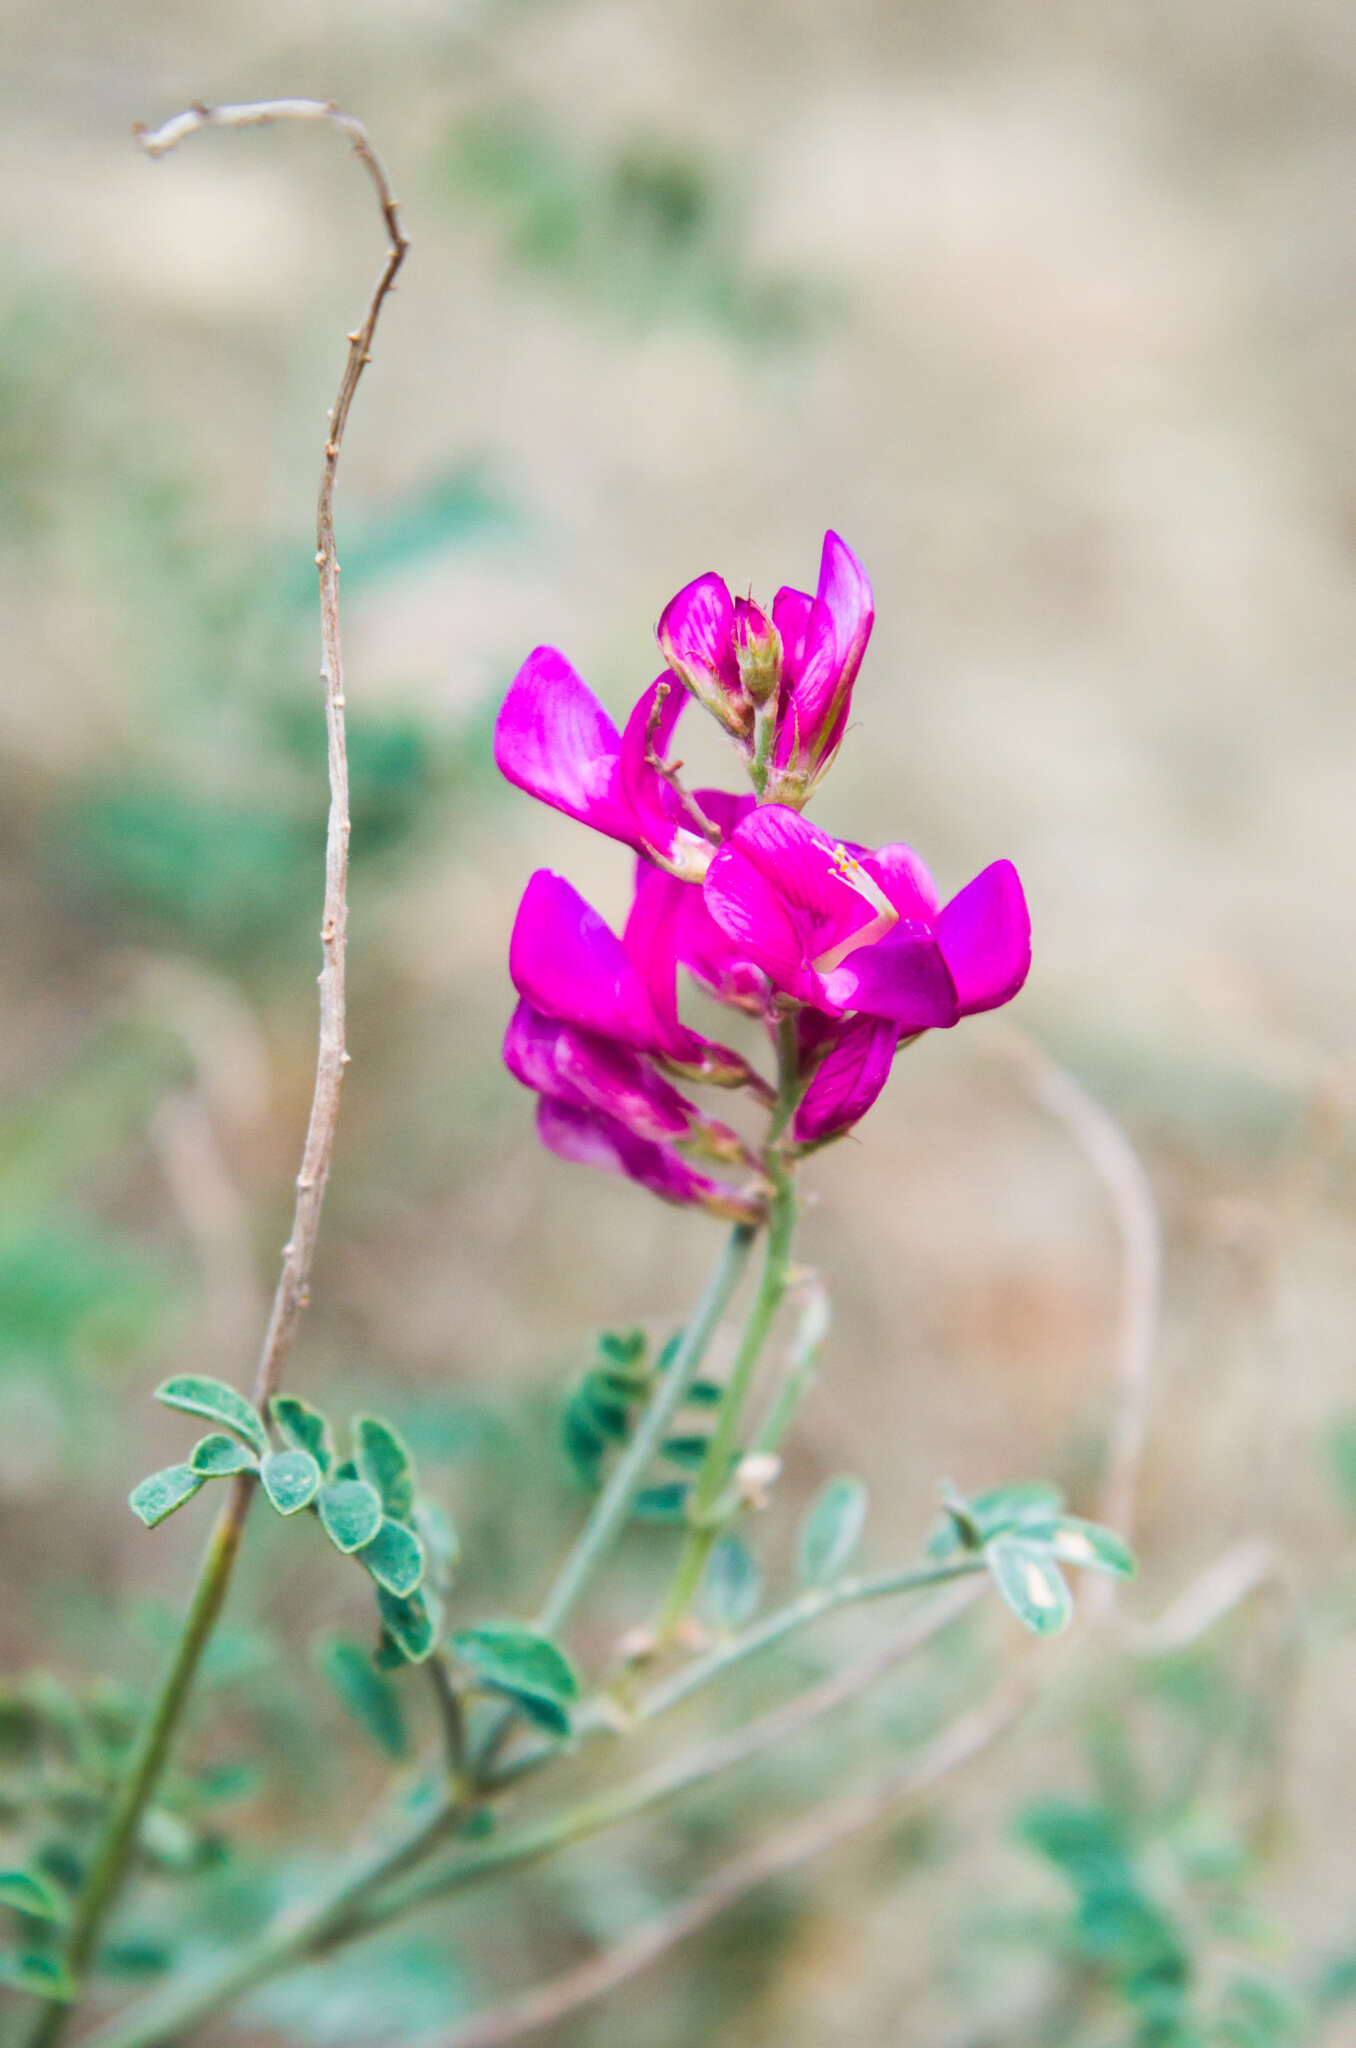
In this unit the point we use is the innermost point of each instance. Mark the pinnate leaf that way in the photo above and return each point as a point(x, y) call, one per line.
point(218, 1455)
point(370, 1698)
point(395, 1558)
point(305, 1429)
point(1030, 1582)
point(219, 1403)
point(291, 1479)
point(163, 1492)
point(385, 1463)
point(832, 1530)
point(351, 1512)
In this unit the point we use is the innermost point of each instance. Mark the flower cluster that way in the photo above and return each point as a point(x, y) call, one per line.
point(844, 953)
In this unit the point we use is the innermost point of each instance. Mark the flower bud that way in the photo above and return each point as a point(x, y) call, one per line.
point(758, 651)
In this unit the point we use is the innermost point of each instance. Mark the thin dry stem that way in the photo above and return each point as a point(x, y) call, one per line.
point(782, 1853)
point(292, 1292)
point(1121, 1172)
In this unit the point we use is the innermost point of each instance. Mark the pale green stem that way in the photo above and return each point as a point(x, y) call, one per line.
point(628, 1474)
point(714, 1478)
point(812, 1327)
point(347, 1916)
point(115, 1848)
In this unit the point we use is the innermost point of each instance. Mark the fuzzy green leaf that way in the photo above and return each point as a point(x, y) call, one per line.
point(442, 1546)
point(219, 1403)
point(218, 1455)
point(411, 1625)
point(395, 1558)
point(351, 1512)
point(162, 1492)
point(1074, 1541)
point(1030, 1583)
point(832, 1530)
point(28, 1893)
point(291, 1479)
point(370, 1698)
point(732, 1585)
point(305, 1429)
point(385, 1463)
point(529, 1668)
point(664, 1503)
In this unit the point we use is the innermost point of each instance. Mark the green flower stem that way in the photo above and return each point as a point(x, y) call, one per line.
point(115, 1848)
point(713, 1480)
point(614, 1502)
point(812, 1327)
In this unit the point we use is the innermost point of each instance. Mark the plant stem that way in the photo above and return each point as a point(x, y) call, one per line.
point(347, 1914)
point(714, 1478)
point(614, 1502)
point(118, 1839)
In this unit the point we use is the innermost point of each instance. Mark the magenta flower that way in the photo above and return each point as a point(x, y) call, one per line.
point(554, 739)
point(732, 657)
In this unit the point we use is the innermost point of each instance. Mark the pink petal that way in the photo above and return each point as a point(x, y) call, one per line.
point(903, 976)
point(905, 880)
point(845, 589)
point(809, 671)
point(554, 739)
point(777, 888)
point(696, 634)
point(848, 1079)
point(985, 933)
point(653, 807)
point(590, 1138)
point(594, 1073)
point(654, 938)
point(567, 963)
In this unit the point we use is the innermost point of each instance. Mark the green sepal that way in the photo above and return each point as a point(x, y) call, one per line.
point(370, 1698)
point(1030, 1583)
point(384, 1461)
point(40, 1976)
point(350, 1510)
point(291, 1480)
point(831, 1530)
point(395, 1558)
point(218, 1456)
point(28, 1893)
point(196, 1395)
point(305, 1429)
point(160, 1493)
point(526, 1667)
point(732, 1584)
point(410, 1624)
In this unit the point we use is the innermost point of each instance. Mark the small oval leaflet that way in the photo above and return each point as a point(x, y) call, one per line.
point(533, 1671)
point(370, 1698)
point(40, 1976)
point(162, 1492)
point(395, 1558)
point(305, 1429)
point(385, 1463)
point(733, 1583)
point(832, 1530)
point(219, 1403)
point(28, 1893)
point(351, 1512)
point(291, 1479)
point(411, 1624)
point(218, 1455)
point(1031, 1584)
point(1074, 1541)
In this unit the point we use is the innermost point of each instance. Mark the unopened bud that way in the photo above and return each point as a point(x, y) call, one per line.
point(758, 650)
point(755, 1476)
